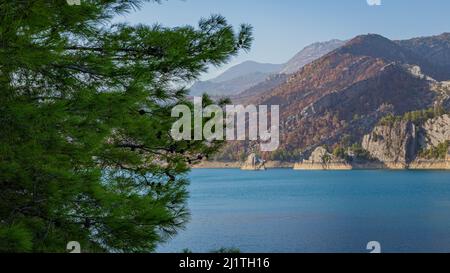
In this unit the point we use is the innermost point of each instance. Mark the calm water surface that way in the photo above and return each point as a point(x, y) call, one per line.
point(331, 211)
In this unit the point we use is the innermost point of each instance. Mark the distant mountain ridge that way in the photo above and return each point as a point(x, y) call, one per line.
point(236, 79)
point(249, 74)
point(245, 68)
point(436, 48)
point(310, 54)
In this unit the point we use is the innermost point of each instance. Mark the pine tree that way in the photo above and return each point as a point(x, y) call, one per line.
point(85, 149)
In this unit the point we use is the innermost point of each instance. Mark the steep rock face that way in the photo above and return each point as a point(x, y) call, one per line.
point(443, 91)
point(253, 163)
point(398, 145)
point(319, 155)
point(393, 144)
point(436, 131)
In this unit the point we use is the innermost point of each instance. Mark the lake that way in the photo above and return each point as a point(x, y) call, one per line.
point(282, 210)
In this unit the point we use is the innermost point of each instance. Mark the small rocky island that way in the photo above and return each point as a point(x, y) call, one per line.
point(253, 163)
point(321, 159)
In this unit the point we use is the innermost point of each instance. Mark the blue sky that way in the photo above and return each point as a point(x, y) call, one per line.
point(284, 27)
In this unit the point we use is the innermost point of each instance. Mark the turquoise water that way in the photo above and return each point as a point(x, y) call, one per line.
point(331, 211)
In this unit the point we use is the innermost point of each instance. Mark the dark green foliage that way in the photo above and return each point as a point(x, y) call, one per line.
point(283, 154)
point(417, 117)
point(85, 150)
point(326, 158)
point(340, 152)
point(222, 250)
point(438, 152)
point(359, 153)
point(389, 120)
point(227, 250)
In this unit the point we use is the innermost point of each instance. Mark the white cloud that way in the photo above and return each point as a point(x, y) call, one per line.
point(374, 2)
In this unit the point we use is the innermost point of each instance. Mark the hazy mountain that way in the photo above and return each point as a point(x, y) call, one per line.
point(236, 79)
point(247, 68)
point(309, 54)
point(342, 95)
point(249, 75)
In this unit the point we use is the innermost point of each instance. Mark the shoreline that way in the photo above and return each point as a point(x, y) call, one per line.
point(437, 165)
point(238, 165)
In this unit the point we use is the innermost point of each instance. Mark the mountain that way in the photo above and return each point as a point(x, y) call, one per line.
point(435, 49)
point(341, 96)
point(310, 54)
point(236, 79)
point(252, 76)
point(377, 46)
point(401, 143)
point(270, 83)
point(246, 68)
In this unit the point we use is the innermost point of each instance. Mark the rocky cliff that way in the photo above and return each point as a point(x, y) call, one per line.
point(396, 143)
point(403, 144)
point(435, 131)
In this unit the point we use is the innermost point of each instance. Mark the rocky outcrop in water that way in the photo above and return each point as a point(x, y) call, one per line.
point(321, 159)
point(253, 163)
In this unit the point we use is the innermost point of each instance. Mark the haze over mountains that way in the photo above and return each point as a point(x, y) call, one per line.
point(249, 74)
point(236, 79)
point(341, 96)
point(310, 54)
